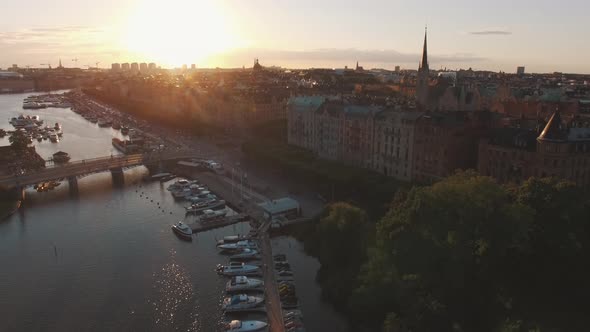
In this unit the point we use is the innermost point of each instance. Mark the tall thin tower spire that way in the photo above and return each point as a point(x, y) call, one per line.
point(424, 63)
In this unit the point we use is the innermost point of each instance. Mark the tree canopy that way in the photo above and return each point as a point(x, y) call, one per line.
point(467, 254)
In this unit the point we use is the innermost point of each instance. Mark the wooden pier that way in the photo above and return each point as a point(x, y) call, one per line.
point(229, 220)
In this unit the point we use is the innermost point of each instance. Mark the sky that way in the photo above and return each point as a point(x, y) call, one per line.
point(543, 35)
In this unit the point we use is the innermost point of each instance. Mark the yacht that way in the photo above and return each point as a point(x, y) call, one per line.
point(241, 302)
point(245, 326)
point(243, 283)
point(245, 254)
point(182, 230)
point(238, 246)
point(212, 215)
point(237, 269)
point(209, 204)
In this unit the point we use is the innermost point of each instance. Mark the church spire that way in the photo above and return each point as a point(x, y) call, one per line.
point(424, 63)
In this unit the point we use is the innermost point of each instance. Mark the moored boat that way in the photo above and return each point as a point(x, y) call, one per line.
point(245, 326)
point(241, 302)
point(237, 269)
point(243, 283)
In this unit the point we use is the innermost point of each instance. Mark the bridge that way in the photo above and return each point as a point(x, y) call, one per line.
point(72, 170)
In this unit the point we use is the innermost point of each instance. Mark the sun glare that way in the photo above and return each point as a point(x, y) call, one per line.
point(176, 32)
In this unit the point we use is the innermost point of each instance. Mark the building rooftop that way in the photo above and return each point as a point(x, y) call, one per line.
point(279, 205)
point(306, 103)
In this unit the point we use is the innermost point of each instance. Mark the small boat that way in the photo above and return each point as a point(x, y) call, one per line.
point(159, 176)
point(183, 230)
point(168, 178)
point(57, 126)
point(243, 283)
point(245, 326)
point(211, 204)
point(237, 269)
point(238, 246)
point(179, 185)
point(245, 254)
point(241, 302)
point(124, 130)
point(54, 138)
point(233, 239)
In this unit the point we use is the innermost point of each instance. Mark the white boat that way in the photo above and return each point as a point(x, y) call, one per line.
point(179, 185)
point(210, 204)
point(200, 198)
point(53, 137)
point(243, 283)
point(238, 246)
point(182, 230)
point(245, 326)
point(245, 254)
point(211, 215)
point(233, 239)
point(241, 302)
point(181, 194)
point(237, 269)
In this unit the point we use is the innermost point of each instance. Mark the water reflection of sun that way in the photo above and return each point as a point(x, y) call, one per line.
point(176, 32)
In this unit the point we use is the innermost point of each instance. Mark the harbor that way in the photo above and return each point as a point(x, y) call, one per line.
point(121, 237)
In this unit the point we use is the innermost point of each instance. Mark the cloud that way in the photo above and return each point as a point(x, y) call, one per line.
point(498, 32)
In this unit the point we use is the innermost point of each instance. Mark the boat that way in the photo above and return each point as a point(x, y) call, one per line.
point(181, 194)
point(159, 176)
point(168, 178)
point(53, 138)
point(183, 230)
point(245, 254)
point(233, 239)
point(237, 269)
point(238, 246)
point(179, 185)
point(57, 126)
point(104, 123)
point(212, 215)
point(243, 283)
point(124, 130)
point(207, 205)
point(241, 302)
point(245, 326)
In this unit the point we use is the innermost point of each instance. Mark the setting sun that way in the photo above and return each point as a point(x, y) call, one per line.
point(178, 32)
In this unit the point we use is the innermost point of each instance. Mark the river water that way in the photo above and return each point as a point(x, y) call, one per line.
point(106, 259)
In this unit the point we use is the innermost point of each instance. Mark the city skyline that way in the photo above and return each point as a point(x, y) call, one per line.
point(378, 34)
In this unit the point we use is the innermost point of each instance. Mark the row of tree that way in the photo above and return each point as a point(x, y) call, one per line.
point(465, 254)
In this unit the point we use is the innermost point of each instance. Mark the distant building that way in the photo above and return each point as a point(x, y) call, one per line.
point(397, 69)
point(193, 66)
point(152, 66)
point(520, 70)
point(143, 67)
point(134, 66)
point(257, 65)
point(559, 150)
point(115, 66)
point(184, 67)
point(125, 66)
point(15, 66)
